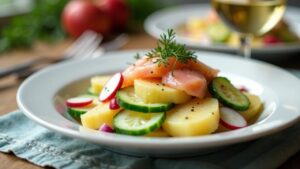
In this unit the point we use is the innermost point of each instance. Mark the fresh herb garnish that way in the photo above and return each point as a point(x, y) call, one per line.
point(42, 23)
point(137, 56)
point(168, 48)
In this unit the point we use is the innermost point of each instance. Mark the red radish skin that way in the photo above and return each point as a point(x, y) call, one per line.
point(79, 102)
point(231, 119)
point(111, 87)
point(243, 89)
point(113, 104)
point(106, 128)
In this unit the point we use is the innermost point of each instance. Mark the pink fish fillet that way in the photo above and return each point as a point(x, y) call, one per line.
point(148, 68)
point(190, 81)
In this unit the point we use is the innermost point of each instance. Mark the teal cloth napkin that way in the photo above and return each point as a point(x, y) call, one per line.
point(42, 147)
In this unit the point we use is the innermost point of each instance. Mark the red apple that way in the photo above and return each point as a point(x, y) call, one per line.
point(81, 15)
point(118, 10)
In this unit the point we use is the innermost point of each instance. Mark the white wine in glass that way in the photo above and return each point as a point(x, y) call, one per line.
point(249, 17)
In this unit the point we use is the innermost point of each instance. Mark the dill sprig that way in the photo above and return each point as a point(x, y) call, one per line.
point(137, 56)
point(167, 48)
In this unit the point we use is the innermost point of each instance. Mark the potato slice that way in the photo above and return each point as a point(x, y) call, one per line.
point(254, 109)
point(151, 91)
point(100, 114)
point(196, 117)
point(98, 82)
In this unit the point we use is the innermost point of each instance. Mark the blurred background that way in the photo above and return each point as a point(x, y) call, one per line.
point(23, 22)
point(290, 2)
point(35, 29)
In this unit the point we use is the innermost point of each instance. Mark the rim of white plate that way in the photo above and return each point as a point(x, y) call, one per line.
point(35, 99)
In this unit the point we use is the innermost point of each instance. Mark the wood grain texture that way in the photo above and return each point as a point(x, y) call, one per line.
point(9, 86)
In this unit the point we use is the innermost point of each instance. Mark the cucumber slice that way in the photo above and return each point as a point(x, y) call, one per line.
point(129, 100)
point(218, 32)
point(77, 112)
point(136, 123)
point(222, 89)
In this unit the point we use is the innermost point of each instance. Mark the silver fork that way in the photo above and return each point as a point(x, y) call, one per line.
point(94, 51)
point(85, 45)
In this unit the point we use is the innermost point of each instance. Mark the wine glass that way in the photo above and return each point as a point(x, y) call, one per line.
point(249, 18)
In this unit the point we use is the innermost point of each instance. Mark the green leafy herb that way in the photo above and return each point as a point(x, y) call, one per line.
point(167, 48)
point(43, 22)
point(137, 56)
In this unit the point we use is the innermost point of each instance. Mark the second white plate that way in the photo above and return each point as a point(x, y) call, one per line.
point(160, 21)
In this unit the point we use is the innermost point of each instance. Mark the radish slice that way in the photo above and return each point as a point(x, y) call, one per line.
point(113, 104)
point(111, 87)
point(79, 102)
point(231, 119)
point(106, 128)
point(243, 89)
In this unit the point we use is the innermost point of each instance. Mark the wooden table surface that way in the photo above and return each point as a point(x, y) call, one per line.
point(9, 86)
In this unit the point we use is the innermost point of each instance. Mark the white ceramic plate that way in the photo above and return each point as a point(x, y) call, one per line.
point(41, 97)
point(160, 21)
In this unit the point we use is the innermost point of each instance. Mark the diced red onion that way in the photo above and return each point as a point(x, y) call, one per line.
point(113, 105)
point(106, 128)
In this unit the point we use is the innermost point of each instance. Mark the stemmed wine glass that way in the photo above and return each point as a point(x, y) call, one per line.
point(249, 18)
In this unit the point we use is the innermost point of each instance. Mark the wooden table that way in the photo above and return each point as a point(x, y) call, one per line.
point(9, 86)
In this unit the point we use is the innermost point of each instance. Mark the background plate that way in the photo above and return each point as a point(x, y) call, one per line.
point(160, 21)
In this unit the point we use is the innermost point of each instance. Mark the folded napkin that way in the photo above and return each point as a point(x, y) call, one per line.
point(29, 141)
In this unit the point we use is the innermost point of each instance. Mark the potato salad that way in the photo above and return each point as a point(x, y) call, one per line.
point(166, 93)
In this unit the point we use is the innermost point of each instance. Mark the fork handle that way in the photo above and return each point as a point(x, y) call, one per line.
point(27, 72)
point(19, 68)
point(32, 69)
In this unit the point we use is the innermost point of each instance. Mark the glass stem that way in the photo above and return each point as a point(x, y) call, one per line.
point(245, 44)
